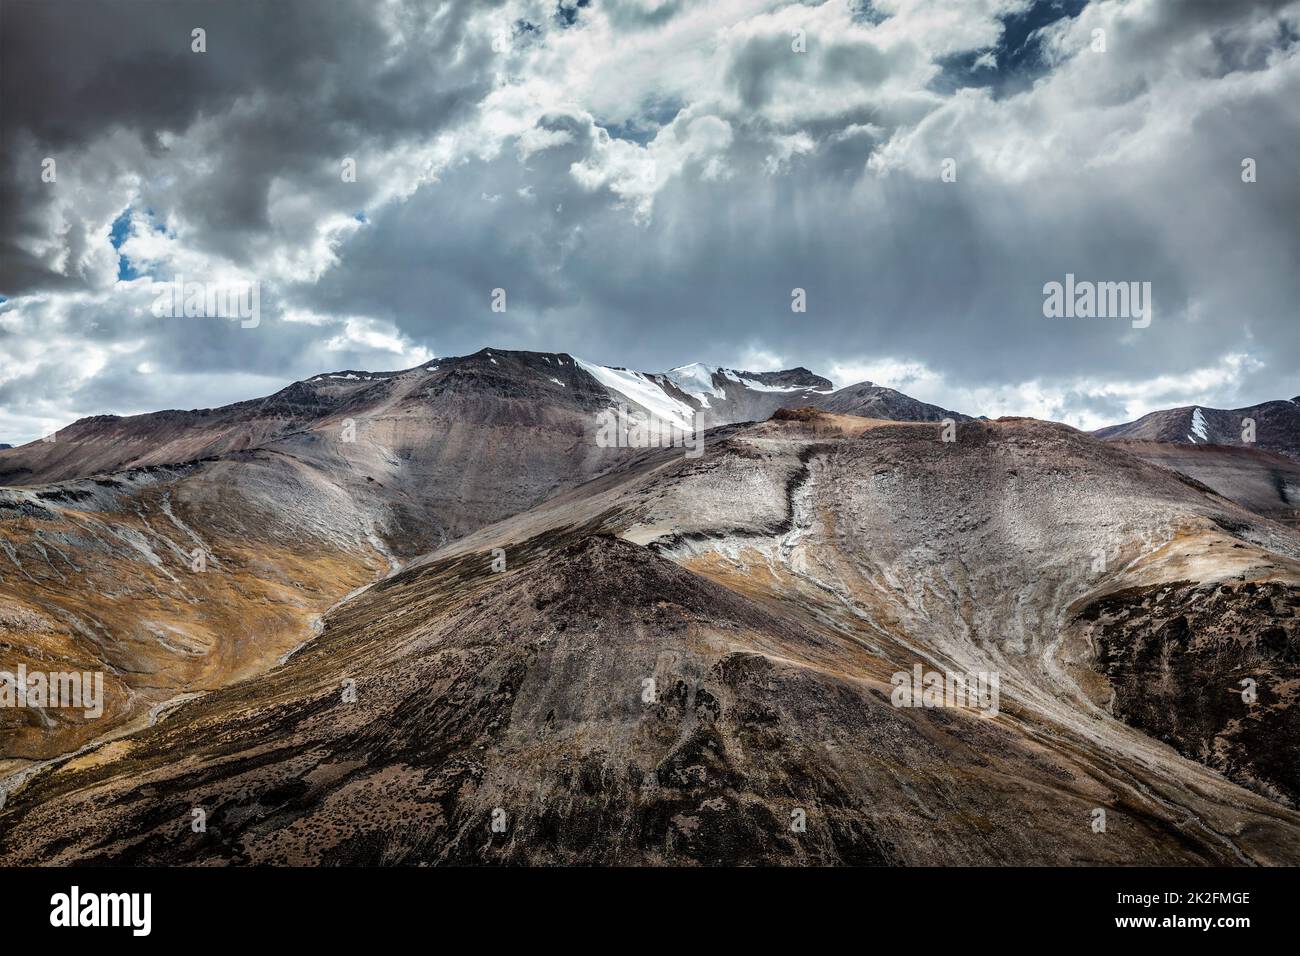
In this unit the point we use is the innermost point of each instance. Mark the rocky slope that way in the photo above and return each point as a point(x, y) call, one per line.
point(1266, 483)
point(876, 401)
point(168, 580)
point(288, 503)
point(324, 492)
point(691, 661)
point(1209, 668)
point(1276, 427)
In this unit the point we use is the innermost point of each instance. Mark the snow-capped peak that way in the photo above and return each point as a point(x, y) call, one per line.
point(696, 379)
point(758, 386)
point(643, 390)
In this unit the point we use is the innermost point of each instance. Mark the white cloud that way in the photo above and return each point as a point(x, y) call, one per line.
point(378, 336)
point(1063, 399)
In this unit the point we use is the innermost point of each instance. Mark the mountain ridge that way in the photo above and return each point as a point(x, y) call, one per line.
point(1272, 426)
point(101, 444)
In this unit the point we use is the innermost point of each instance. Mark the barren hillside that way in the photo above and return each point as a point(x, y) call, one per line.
point(769, 590)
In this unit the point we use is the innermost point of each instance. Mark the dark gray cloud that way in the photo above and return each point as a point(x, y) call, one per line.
point(283, 91)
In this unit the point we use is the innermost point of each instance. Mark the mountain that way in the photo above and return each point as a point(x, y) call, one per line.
point(527, 387)
point(1249, 455)
point(876, 401)
point(697, 660)
point(1276, 427)
point(503, 389)
point(285, 505)
point(1266, 483)
point(726, 395)
point(428, 617)
point(3, 446)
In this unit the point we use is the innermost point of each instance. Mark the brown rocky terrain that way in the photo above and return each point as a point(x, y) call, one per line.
point(293, 501)
point(877, 401)
point(293, 505)
point(686, 657)
point(1266, 483)
point(1276, 427)
point(169, 581)
point(1183, 661)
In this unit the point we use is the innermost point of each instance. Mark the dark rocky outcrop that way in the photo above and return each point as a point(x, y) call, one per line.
point(1214, 671)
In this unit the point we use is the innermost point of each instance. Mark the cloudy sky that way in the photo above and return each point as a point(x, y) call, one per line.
point(649, 180)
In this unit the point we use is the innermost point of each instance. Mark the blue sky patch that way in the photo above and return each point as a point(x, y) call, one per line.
point(1018, 54)
point(643, 127)
point(117, 234)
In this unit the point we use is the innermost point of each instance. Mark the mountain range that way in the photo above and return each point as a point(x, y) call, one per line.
point(1269, 426)
point(1251, 455)
point(426, 617)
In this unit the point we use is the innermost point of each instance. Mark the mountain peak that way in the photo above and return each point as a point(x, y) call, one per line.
point(877, 401)
point(699, 378)
point(490, 385)
point(1274, 427)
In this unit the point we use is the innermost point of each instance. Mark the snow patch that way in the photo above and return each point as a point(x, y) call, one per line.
point(696, 380)
point(1198, 426)
point(642, 390)
point(757, 386)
